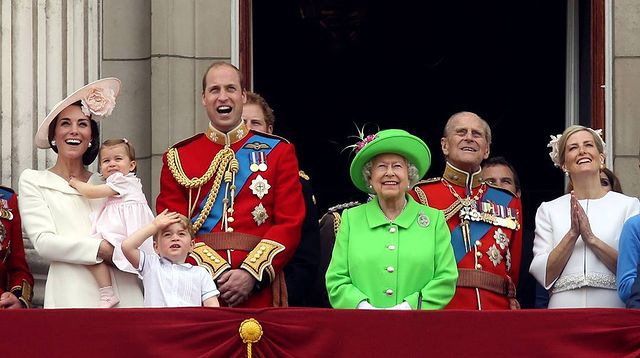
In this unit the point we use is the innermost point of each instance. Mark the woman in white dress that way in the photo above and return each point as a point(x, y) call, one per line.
point(576, 238)
point(56, 217)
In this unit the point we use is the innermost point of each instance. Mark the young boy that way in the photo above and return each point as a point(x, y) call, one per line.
point(169, 281)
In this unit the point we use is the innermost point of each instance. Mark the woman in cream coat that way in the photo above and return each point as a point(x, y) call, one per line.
point(56, 217)
point(576, 239)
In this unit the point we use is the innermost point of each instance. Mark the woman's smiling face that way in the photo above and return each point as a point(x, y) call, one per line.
point(72, 132)
point(389, 176)
point(581, 153)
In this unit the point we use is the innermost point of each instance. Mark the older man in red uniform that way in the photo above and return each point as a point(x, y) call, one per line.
point(484, 220)
point(16, 280)
point(242, 191)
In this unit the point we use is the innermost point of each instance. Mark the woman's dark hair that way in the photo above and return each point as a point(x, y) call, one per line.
point(613, 180)
point(92, 152)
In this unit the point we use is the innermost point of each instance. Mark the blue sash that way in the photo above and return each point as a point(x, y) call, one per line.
point(477, 229)
point(243, 156)
point(5, 194)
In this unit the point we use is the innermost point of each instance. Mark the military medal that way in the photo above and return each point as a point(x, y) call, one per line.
point(6, 214)
point(259, 214)
point(494, 255)
point(263, 162)
point(254, 161)
point(467, 209)
point(3, 232)
point(423, 220)
point(259, 186)
point(504, 217)
point(470, 212)
point(501, 238)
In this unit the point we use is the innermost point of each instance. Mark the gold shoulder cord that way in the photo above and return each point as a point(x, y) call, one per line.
point(221, 163)
point(421, 195)
point(336, 222)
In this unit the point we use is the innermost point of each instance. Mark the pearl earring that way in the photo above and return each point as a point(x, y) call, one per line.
point(90, 144)
point(566, 173)
point(53, 142)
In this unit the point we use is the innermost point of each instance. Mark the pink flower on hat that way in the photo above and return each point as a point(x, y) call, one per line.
point(99, 101)
point(364, 142)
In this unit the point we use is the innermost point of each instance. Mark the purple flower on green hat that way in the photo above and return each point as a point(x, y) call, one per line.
point(364, 142)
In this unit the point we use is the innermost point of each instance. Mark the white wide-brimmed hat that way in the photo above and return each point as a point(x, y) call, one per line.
point(98, 98)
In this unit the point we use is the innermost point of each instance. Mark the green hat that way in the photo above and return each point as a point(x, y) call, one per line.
point(395, 141)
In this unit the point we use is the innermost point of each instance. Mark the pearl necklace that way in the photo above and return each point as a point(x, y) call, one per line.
point(404, 206)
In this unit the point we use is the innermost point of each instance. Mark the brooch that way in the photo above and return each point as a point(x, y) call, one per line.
point(259, 186)
point(259, 214)
point(423, 220)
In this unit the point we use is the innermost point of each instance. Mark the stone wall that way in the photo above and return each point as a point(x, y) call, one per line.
point(626, 93)
point(158, 48)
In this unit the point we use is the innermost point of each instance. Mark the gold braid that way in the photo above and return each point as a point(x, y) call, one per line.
point(230, 188)
point(218, 166)
point(173, 161)
point(337, 219)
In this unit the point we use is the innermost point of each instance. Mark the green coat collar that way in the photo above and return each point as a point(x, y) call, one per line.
point(375, 216)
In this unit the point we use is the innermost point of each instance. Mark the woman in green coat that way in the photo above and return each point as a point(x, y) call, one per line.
point(391, 253)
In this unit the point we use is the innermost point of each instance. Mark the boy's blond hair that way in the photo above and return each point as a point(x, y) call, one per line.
point(186, 224)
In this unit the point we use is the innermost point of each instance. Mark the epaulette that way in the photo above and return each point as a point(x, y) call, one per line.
point(500, 188)
point(187, 140)
point(429, 181)
point(303, 175)
point(344, 206)
point(269, 135)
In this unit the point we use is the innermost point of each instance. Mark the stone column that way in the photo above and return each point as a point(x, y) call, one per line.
point(158, 48)
point(126, 39)
point(49, 49)
point(626, 86)
point(187, 35)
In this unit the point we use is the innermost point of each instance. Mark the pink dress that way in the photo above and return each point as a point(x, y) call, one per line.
point(122, 215)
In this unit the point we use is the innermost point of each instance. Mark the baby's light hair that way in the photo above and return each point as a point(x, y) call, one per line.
point(131, 152)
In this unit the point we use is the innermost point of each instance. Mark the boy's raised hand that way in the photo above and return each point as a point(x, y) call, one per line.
point(166, 218)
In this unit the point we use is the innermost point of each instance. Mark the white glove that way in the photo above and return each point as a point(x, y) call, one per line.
point(365, 305)
point(404, 306)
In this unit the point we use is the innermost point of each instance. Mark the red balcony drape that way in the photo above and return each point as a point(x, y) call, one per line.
point(300, 332)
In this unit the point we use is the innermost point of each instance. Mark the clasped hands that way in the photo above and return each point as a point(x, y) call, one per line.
point(580, 225)
point(235, 286)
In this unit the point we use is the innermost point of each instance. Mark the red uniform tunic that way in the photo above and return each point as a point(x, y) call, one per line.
point(267, 204)
point(15, 275)
point(491, 242)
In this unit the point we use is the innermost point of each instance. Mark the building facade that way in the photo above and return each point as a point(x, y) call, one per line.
point(160, 49)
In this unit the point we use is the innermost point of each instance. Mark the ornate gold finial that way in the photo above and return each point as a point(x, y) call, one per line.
point(250, 332)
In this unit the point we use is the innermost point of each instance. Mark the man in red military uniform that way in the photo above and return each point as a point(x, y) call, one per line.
point(484, 220)
point(242, 192)
point(16, 280)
